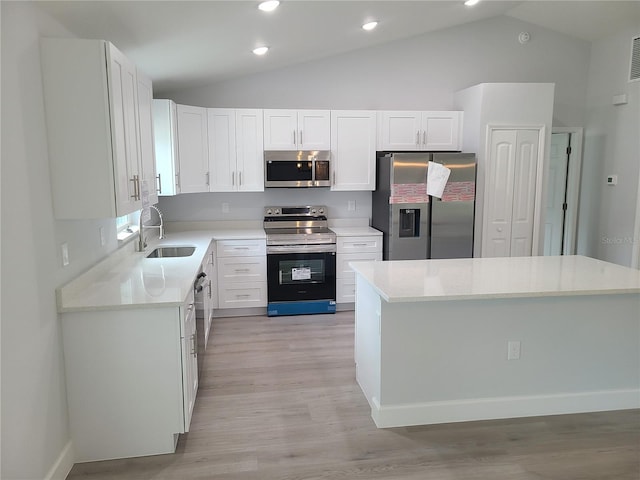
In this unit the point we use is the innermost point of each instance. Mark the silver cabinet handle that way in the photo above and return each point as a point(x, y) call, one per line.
point(194, 345)
point(177, 181)
point(208, 183)
point(300, 137)
point(136, 187)
point(294, 137)
point(242, 295)
point(243, 270)
point(240, 179)
point(360, 244)
point(159, 189)
point(418, 137)
point(424, 137)
point(233, 179)
point(210, 289)
point(334, 177)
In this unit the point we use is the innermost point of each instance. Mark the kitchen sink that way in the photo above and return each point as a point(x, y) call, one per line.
point(167, 252)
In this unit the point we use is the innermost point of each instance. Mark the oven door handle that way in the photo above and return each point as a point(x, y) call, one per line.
point(303, 248)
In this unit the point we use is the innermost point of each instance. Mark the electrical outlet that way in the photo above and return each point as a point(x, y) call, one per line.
point(65, 254)
point(351, 205)
point(103, 240)
point(225, 207)
point(513, 350)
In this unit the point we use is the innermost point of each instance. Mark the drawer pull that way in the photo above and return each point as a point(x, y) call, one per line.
point(242, 270)
point(242, 295)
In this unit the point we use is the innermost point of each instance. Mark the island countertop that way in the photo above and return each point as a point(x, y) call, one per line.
point(478, 278)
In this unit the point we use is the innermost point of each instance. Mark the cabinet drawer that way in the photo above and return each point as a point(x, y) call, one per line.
point(241, 248)
point(359, 244)
point(239, 295)
point(342, 262)
point(346, 290)
point(242, 269)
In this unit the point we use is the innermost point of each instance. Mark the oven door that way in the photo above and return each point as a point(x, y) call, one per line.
point(303, 280)
point(288, 173)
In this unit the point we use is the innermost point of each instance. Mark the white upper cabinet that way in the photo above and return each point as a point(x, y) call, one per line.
point(91, 108)
point(297, 130)
point(235, 150)
point(407, 131)
point(165, 133)
point(193, 149)
point(150, 179)
point(353, 149)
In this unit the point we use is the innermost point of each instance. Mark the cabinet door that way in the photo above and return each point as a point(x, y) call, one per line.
point(280, 130)
point(441, 131)
point(124, 122)
point(249, 150)
point(165, 133)
point(189, 362)
point(147, 152)
point(400, 131)
point(314, 132)
point(353, 148)
point(222, 149)
point(193, 152)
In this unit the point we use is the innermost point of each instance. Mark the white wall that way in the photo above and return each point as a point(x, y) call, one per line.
point(419, 73)
point(611, 146)
point(35, 430)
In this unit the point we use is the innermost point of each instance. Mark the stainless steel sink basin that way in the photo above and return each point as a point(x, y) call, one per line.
point(167, 252)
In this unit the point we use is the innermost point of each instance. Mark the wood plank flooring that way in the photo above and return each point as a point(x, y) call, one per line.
point(278, 400)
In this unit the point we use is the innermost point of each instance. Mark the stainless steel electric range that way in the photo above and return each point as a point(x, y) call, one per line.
point(301, 261)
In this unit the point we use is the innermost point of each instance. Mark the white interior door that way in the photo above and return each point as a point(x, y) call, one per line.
point(556, 194)
point(510, 205)
point(498, 209)
point(524, 193)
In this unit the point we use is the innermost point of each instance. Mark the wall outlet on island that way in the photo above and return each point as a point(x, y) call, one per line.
point(513, 350)
point(225, 207)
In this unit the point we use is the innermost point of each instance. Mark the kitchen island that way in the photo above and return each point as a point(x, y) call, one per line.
point(442, 341)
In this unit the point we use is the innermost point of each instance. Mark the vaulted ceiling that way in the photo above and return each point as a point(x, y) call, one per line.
point(182, 44)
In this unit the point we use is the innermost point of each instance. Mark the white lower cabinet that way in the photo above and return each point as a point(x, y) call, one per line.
point(132, 378)
point(350, 249)
point(242, 273)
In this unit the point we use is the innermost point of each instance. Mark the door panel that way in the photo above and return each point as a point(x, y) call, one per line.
point(524, 192)
point(250, 160)
point(222, 148)
point(500, 195)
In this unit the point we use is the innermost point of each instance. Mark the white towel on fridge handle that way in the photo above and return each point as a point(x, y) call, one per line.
point(437, 176)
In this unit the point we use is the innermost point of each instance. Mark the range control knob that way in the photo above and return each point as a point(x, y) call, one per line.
point(321, 211)
point(313, 211)
point(269, 211)
point(277, 212)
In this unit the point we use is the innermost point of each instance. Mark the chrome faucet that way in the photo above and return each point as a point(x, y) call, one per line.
point(142, 241)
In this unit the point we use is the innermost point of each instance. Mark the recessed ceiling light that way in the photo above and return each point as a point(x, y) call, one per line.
point(260, 50)
point(370, 25)
point(471, 3)
point(269, 6)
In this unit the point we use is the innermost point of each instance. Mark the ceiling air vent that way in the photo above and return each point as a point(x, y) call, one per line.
point(634, 71)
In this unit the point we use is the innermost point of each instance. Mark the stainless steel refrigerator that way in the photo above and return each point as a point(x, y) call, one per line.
point(414, 225)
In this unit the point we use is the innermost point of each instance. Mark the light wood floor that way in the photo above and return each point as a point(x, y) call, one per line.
point(278, 400)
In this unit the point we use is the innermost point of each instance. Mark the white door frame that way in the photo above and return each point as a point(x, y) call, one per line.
point(635, 247)
point(573, 187)
point(543, 153)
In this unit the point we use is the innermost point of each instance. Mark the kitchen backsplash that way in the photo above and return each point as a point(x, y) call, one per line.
point(250, 206)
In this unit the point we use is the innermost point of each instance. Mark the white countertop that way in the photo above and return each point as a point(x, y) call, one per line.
point(355, 231)
point(478, 278)
point(134, 281)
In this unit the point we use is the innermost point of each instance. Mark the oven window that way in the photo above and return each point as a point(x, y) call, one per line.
point(292, 272)
point(280, 171)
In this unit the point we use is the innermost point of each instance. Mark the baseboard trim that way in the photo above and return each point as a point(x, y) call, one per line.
point(63, 464)
point(386, 416)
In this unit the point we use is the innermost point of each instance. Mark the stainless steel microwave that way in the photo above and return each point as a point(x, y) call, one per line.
point(293, 169)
